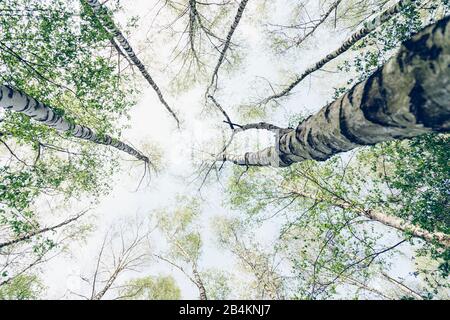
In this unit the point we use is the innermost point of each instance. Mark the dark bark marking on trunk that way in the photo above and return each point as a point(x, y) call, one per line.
point(345, 130)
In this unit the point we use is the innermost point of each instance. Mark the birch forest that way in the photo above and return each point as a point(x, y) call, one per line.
point(224, 149)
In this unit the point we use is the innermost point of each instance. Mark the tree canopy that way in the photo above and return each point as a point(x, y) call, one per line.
point(163, 150)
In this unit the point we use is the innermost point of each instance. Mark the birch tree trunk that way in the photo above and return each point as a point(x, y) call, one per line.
point(368, 27)
point(41, 231)
point(408, 227)
point(13, 99)
point(407, 97)
point(226, 46)
point(385, 219)
point(199, 283)
point(109, 25)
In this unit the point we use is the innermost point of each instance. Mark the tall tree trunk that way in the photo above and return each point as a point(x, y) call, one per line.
point(13, 99)
point(407, 97)
point(110, 26)
point(226, 45)
point(368, 27)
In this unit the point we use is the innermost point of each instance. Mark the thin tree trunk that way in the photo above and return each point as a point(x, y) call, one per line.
point(385, 219)
point(226, 46)
point(109, 283)
point(199, 283)
point(41, 231)
point(407, 97)
point(192, 19)
point(368, 27)
point(259, 126)
point(402, 286)
point(407, 227)
point(110, 26)
point(319, 23)
point(401, 225)
point(13, 99)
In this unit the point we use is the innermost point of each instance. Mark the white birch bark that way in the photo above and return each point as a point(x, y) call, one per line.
point(237, 18)
point(15, 100)
point(407, 97)
point(368, 27)
point(108, 24)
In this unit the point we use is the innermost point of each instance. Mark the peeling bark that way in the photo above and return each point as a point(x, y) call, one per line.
point(13, 99)
point(407, 97)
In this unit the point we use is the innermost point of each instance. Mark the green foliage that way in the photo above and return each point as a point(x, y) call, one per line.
point(257, 264)
point(59, 56)
point(321, 208)
point(415, 176)
point(217, 284)
point(418, 178)
point(180, 228)
point(23, 287)
point(57, 52)
point(151, 288)
point(374, 50)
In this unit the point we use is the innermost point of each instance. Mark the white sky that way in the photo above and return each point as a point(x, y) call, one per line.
point(150, 122)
